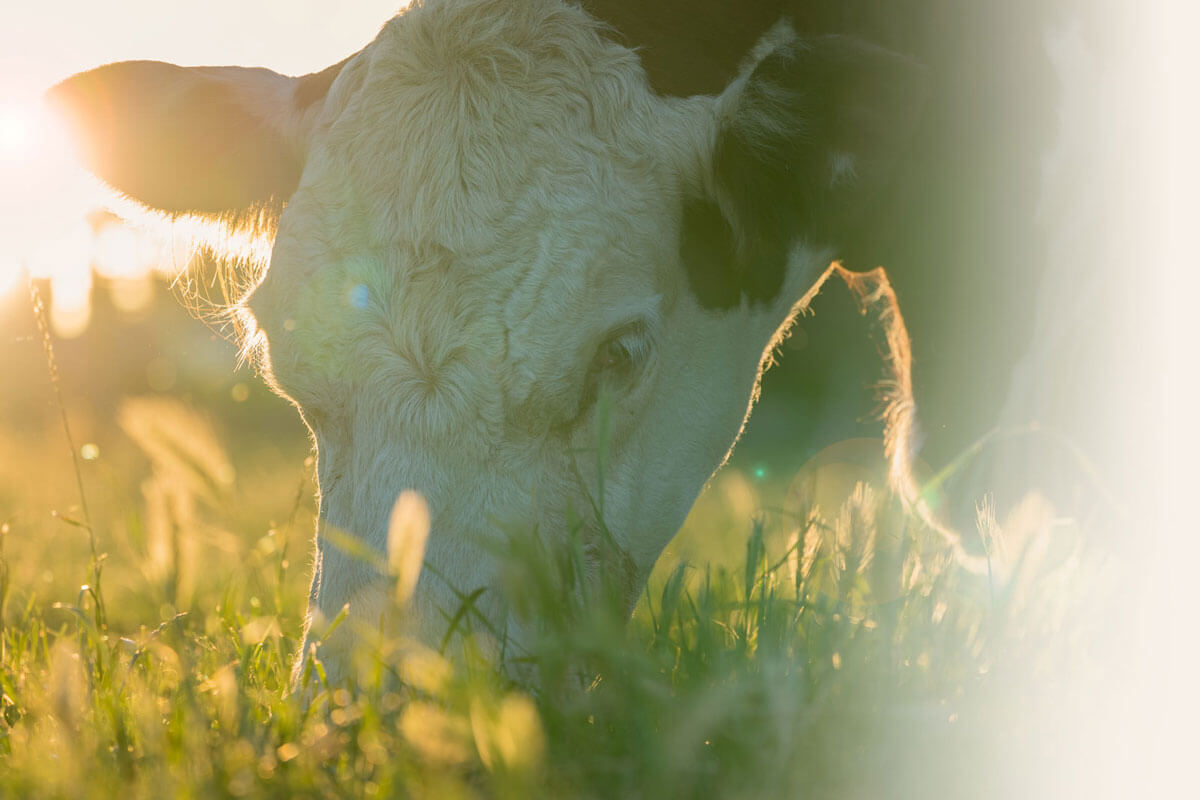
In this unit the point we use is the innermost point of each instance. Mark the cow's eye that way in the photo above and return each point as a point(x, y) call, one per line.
point(618, 361)
point(616, 355)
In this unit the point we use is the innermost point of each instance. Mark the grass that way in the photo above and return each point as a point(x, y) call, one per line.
point(838, 655)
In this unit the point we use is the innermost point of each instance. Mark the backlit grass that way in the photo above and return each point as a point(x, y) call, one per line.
point(840, 653)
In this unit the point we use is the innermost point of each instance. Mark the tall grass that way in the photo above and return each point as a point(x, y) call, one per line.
point(844, 653)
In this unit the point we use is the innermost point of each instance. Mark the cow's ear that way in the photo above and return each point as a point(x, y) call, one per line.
point(210, 141)
point(811, 138)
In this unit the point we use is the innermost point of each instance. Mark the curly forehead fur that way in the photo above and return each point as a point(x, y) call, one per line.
point(456, 104)
point(479, 173)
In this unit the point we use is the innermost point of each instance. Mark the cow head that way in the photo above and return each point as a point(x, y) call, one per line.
point(499, 254)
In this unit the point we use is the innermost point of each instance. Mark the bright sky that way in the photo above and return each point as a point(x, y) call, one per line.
point(43, 195)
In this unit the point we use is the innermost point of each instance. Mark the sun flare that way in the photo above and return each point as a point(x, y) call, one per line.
point(18, 132)
point(45, 198)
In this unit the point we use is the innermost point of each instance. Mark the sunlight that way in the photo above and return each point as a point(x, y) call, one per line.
point(19, 137)
point(47, 222)
point(44, 192)
point(115, 251)
point(127, 258)
point(71, 304)
point(18, 133)
point(44, 201)
point(63, 259)
point(10, 274)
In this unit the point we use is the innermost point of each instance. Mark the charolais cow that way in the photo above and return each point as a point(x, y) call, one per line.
point(503, 231)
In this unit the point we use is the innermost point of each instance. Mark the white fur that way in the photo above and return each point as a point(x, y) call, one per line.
point(491, 189)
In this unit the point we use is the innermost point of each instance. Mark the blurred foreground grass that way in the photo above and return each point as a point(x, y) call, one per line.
point(824, 645)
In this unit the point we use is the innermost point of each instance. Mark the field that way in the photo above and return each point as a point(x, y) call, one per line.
point(805, 635)
point(802, 637)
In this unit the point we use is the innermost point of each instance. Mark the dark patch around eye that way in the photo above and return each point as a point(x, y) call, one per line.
point(764, 178)
point(804, 107)
point(720, 273)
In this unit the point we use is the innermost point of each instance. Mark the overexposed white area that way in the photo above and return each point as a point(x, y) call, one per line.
point(45, 197)
point(1120, 287)
point(44, 42)
point(1174, 221)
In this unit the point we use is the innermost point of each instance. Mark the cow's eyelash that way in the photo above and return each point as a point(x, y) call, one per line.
point(628, 346)
point(619, 358)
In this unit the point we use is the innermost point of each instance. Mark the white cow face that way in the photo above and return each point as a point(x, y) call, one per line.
point(501, 256)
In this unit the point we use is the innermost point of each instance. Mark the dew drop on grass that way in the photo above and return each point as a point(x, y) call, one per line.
point(89, 452)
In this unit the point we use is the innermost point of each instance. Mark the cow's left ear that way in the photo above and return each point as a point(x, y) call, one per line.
point(210, 141)
point(812, 136)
